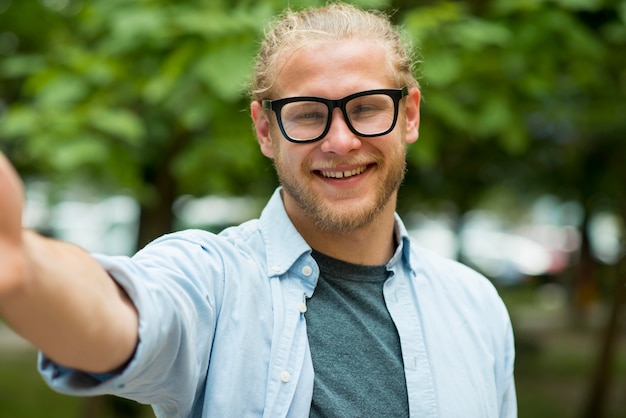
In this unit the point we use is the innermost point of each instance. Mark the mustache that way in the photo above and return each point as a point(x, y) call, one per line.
point(332, 162)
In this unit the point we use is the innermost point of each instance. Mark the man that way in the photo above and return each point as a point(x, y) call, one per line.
point(322, 307)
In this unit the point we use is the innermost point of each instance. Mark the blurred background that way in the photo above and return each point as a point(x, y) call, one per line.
point(129, 119)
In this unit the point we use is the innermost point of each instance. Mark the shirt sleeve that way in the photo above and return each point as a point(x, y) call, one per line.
point(175, 284)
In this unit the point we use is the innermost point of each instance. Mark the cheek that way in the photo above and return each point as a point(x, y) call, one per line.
point(394, 155)
point(291, 158)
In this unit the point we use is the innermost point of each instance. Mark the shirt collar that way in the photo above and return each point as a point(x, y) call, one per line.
point(403, 250)
point(285, 245)
point(283, 242)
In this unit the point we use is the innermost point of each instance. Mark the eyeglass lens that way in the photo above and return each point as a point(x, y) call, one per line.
point(368, 115)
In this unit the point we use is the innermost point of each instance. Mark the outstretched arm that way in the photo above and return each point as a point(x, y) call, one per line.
point(57, 296)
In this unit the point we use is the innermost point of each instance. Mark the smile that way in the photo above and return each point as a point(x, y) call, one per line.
point(342, 174)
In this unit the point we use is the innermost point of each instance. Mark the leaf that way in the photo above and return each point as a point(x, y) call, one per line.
point(424, 152)
point(514, 141)
point(119, 123)
point(578, 5)
point(137, 23)
point(494, 117)
point(424, 21)
point(441, 67)
point(132, 28)
point(450, 110)
point(59, 89)
point(167, 79)
point(474, 34)
point(18, 121)
point(78, 153)
point(21, 65)
point(225, 67)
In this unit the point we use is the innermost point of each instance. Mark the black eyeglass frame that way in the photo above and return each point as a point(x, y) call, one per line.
point(277, 105)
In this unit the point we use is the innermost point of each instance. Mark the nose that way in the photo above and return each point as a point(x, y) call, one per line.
point(339, 139)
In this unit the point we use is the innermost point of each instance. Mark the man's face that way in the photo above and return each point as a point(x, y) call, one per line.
point(342, 182)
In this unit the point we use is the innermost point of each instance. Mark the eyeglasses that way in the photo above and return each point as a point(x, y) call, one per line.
point(307, 119)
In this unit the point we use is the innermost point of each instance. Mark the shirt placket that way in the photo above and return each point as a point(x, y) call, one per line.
point(290, 332)
point(400, 300)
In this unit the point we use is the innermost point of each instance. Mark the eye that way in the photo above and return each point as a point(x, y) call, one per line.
point(364, 108)
point(370, 106)
point(309, 115)
point(305, 113)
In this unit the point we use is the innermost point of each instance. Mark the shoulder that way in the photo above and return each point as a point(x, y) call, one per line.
point(453, 280)
point(429, 262)
point(226, 241)
point(200, 253)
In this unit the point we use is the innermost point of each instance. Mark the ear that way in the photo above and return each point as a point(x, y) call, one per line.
point(412, 109)
point(262, 128)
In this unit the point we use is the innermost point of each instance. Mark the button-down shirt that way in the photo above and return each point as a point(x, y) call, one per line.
point(222, 331)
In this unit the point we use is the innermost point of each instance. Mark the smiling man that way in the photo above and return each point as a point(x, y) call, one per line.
point(340, 162)
point(322, 307)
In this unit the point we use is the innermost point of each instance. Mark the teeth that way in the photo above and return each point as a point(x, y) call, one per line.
point(342, 174)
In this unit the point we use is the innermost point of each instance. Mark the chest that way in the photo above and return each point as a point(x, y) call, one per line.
point(355, 351)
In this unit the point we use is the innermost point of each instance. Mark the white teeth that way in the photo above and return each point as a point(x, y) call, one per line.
point(342, 174)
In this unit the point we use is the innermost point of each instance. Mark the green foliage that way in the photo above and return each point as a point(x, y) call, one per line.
point(513, 91)
point(129, 75)
point(121, 90)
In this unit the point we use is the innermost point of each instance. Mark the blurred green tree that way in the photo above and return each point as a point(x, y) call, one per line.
point(516, 93)
point(147, 96)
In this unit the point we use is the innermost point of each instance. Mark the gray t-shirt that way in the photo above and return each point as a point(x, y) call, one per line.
point(354, 344)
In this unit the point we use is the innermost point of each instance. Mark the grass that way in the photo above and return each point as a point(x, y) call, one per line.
point(23, 394)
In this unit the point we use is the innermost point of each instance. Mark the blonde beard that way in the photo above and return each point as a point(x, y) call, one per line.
point(331, 219)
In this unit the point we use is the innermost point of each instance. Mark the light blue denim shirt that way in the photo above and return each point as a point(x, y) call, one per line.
point(222, 331)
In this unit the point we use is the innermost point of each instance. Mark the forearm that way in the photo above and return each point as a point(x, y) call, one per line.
point(65, 303)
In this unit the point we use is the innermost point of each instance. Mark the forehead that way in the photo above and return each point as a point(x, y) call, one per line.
point(333, 69)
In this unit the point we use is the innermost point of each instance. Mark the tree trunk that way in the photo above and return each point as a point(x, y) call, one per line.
point(601, 379)
point(156, 217)
point(584, 291)
point(156, 220)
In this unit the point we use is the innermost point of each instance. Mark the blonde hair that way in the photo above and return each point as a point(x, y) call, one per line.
point(334, 22)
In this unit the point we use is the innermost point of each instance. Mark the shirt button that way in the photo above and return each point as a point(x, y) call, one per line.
point(285, 376)
point(302, 307)
point(307, 270)
point(276, 268)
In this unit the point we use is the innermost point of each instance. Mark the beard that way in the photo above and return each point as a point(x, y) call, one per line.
point(336, 217)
